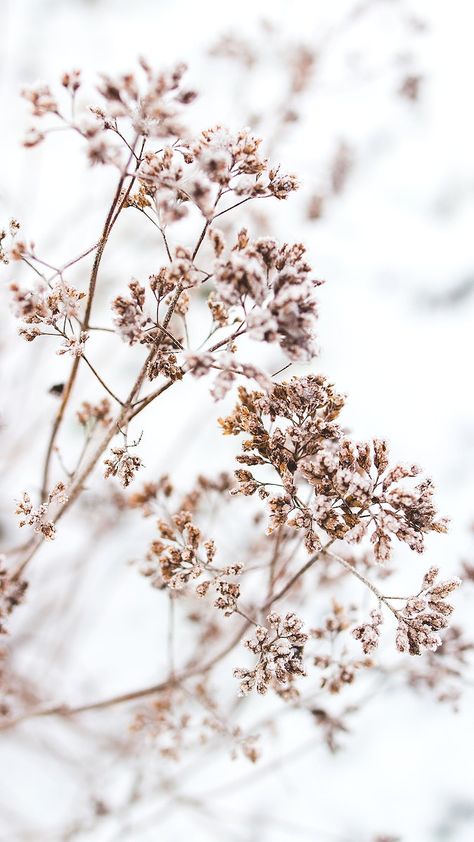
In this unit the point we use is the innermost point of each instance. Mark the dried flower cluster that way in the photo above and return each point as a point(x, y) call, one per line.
point(426, 614)
point(338, 667)
point(122, 465)
point(181, 555)
point(352, 493)
point(37, 518)
point(276, 284)
point(279, 647)
point(369, 633)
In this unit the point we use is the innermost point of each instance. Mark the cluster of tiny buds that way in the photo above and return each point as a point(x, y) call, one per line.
point(337, 667)
point(426, 614)
point(228, 593)
point(280, 649)
point(368, 633)
point(353, 493)
point(180, 555)
point(37, 518)
point(122, 464)
point(92, 414)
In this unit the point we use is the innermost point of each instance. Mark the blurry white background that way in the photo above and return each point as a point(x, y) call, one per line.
point(390, 101)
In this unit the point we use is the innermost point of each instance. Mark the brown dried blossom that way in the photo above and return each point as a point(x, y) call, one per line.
point(152, 103)
point(181, 270)
point(280, 649)
point(229, 369)
point(46, 305)
point(144, 499)
point(235, 160)
point(200, 171)
point(181, 554)
point(277, 281)
point(338, 668)
point(165, 364)
point(228, 593)
point(71, 80)
point(37, 518)
point(163, 182)
point(425, 615)
point(73, 345)
point(92, 414)
point(172, 560)
point(368, 633)
point(122, 464)
point(129, 316)
point(351, 488)
point(219, 311)
point(41, 99)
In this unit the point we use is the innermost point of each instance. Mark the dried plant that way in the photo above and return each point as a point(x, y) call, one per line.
point(320, 511)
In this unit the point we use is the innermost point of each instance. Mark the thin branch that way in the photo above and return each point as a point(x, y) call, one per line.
point(284, 590)
point(99, 378)
point(108, 225)
point(73, 261)
point(133, 695)
point(366, 582)
point(237, 204)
